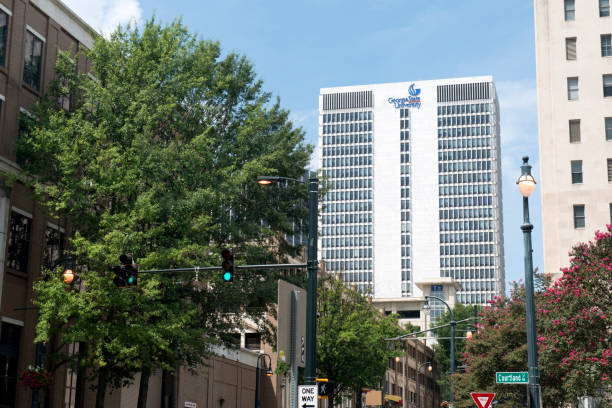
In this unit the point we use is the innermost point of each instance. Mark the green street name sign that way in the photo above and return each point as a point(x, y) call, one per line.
point(521, 377)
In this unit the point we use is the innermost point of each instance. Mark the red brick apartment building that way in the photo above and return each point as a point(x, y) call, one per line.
point(31, 33)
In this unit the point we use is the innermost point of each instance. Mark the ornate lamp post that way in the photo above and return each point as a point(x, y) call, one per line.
point(428, 364)
point(313, 264)
point(452, 324)
point(526, 184)
point(268, 368)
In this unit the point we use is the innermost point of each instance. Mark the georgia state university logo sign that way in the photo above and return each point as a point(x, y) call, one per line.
point(412, 101)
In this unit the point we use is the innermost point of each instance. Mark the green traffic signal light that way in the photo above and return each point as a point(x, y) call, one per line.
point(227, 265)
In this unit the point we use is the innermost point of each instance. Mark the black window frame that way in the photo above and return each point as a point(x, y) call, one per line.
point(606, 45)
point(607, 88)
point(579, 220)
point(569, 10)
point(4, 36)
point(576, 171)
point(604, 8)
point(18, 253)
point(32, 64)
point(575, 136)
point(608, 128)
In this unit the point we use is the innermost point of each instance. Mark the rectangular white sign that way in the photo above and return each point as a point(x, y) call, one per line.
point(308, 396)
point(190, 404)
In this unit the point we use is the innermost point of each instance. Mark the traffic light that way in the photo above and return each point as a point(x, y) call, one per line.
point(325, 387)
point(127, 273)
point(227, 266)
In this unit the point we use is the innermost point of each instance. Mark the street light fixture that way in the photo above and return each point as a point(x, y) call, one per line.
point(452, 324)
point(268, 368)
point(526, 184)
point(312, 267)
point(428, 364)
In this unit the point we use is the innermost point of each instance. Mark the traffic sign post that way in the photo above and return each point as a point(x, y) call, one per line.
point(483, 399)
point(308, 396)
point(520, 377)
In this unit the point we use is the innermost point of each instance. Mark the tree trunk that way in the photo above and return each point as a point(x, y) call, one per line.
point(358, 397)
point(101, 392)
point(144, 388)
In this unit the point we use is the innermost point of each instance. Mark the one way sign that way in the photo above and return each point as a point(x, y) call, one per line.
point(308, 396)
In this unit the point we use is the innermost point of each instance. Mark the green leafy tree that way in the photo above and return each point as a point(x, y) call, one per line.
point(351, 333)
point(157, 156)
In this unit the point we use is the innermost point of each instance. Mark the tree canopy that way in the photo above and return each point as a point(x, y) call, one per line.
point(157, 156)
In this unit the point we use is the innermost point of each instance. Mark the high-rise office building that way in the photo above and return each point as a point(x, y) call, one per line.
point(413, 171)
point(574, 79)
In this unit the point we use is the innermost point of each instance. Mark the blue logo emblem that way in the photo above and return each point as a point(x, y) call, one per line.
point(412, 101)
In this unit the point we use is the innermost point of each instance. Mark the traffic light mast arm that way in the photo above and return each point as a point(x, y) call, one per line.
point(218, 268)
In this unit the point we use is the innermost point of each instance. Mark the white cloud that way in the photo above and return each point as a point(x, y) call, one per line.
point(105, 15)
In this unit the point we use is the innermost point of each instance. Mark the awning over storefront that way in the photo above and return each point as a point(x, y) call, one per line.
point(394, 398)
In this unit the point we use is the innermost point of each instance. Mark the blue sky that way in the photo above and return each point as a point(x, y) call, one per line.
point(298, 47)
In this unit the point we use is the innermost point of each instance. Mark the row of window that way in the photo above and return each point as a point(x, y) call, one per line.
point(406, 284)
point(350, 183)
point(347, 242)
point(463, 109)
point(571, 47)
point(573, 91)
point(350, 172)
point(569, 8)
point(577, 174)
point(465, 201)
point(347, 230)
point(474, 165)
point(349, 207)
point(460, 213)
point(471, 273)
point(348, 161)
point(351, 150)
point(575, 134)
point(461, 178)
point(467, 225)
point(464, 143)
point(348, 138)
point(464, 120)
point(352, 253)
point(346, 218)
point(460, 237)
point(348, 127)
point(475, 298)
point(360, 276)
point(346, 117)
point(472, 249)
point(464, 154)
point(349, 266)
point(464, 131)
point(349, 195)
point(465, 190)
point(451, 262)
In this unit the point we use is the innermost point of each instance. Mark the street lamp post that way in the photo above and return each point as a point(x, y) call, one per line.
point(428, 363)
point(452, 324)
point(312, 268)
point(526, 185)
point(261, 357)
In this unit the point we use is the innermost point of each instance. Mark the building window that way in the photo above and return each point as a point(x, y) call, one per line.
point(576, 171)
point(54, 246)
point(607, 85)
point(608, 125)
point(579, 219)
point(574, 130)
point(10, 335)
point(609, 170)
point(572, 88)
point(3, 36)
point(610, 213)
point(252, 341)
point(32, 66)
point(570, 10)
point(606, 45)
point(570, 48)
point(19, 242)
point(604, 8)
